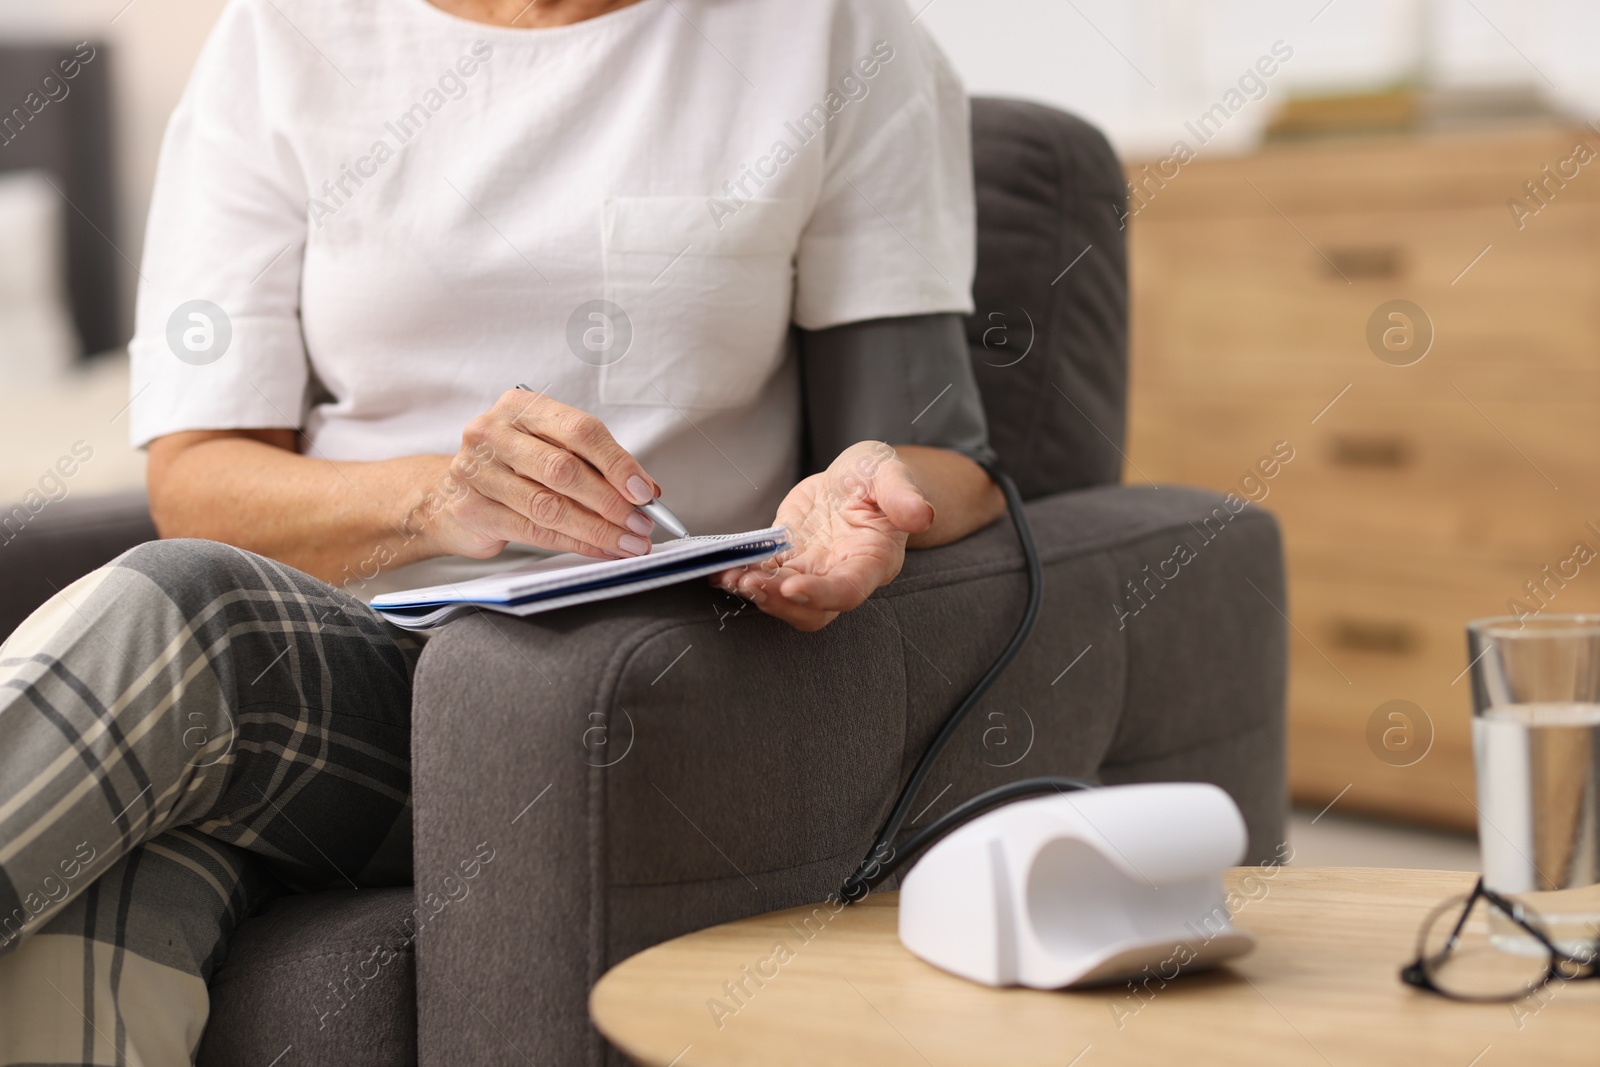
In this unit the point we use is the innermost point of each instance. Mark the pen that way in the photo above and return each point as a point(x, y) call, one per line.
point(665, 518)
point(658, 512)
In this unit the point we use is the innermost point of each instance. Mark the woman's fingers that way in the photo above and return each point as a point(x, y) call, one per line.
point(560, 472)
point(765, 592)
point(555, 468)
point(900, 499)
point(805, 620)
point(583, 435)
point(843, 588)
point(545, 515)
point(490, 518)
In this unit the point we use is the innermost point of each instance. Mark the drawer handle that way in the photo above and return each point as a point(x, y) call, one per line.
point(1349, 450)
point(1370, 261)
point(1366, 635)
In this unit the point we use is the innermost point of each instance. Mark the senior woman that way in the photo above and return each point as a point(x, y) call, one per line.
point(713, 236)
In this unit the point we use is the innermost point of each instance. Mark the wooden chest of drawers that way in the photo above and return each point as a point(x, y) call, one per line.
point(1422, 494)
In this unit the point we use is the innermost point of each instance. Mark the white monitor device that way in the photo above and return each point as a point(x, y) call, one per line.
point(1080, 888)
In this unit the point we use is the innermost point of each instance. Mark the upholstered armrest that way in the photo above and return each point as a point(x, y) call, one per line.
point(42, 551)
point(649, 765)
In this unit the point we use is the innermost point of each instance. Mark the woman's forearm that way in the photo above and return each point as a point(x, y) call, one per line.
point(964, 497)
point(342, 522)
point(346, 522)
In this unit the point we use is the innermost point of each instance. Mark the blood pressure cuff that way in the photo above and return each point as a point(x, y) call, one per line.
point(904, 381)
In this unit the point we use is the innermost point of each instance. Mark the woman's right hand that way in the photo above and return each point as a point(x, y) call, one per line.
point(537, 472)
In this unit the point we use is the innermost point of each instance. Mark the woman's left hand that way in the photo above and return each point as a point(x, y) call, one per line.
point(849, 524)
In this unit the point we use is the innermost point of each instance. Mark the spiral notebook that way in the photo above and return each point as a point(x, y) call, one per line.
point(570, 579)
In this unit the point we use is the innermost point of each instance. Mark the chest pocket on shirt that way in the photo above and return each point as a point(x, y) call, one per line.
point(709, 306)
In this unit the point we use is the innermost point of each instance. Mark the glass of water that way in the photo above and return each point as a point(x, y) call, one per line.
point(1536, 741)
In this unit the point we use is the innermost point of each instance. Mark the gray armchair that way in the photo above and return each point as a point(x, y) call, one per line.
point(644, 767)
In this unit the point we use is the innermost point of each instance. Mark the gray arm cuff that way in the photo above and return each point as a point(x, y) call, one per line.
point(904, 381)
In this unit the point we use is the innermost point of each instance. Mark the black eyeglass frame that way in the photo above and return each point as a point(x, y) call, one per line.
point(1417, 972)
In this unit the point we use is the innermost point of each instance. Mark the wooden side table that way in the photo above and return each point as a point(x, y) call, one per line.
point(1321, 989)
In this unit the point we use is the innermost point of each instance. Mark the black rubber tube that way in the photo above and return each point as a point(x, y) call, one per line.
point(958, 816)
point(882, 858)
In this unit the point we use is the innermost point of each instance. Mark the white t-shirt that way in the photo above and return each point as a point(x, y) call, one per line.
point(390, 215)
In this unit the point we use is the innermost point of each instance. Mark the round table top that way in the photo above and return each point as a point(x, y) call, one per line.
point(1320, 989)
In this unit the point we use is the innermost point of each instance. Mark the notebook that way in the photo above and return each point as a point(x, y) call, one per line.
point(569, 579)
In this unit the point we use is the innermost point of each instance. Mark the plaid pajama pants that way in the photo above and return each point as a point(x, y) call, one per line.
point(183, 732)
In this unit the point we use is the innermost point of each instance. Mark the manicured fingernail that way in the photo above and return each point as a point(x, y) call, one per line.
point(633, 546)
point(640, 524)
point(639, 489)
point(799, 598)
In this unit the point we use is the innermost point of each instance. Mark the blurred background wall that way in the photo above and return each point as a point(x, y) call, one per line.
point(152, 46)
point(1141, 68)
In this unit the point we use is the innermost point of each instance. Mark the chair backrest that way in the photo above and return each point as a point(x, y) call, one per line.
point(1049, 339)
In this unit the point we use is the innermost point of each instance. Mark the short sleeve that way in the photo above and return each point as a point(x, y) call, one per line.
point(893, 232)
point(217, 342)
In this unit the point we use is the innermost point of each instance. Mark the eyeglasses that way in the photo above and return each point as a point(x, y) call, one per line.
point(1496, 952)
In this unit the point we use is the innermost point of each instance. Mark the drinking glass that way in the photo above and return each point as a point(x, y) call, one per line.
point(1536, 742)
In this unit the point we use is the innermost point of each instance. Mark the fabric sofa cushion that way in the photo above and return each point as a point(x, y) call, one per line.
point(324, 977)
